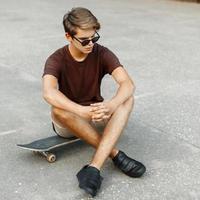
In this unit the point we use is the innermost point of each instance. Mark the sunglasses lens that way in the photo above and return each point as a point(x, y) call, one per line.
point(85, 42)
point(95, 39)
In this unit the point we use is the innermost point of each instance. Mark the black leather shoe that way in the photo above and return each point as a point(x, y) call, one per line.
point(128, 165)
point(89, 179)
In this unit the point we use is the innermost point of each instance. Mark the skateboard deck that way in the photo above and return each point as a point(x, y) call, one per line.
point(45, 145)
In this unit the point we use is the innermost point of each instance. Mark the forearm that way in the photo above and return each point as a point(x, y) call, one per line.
point(125, 91)
point(59, 100)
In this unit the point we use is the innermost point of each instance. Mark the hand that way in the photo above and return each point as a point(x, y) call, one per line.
point(101, 111)
point(86, 113)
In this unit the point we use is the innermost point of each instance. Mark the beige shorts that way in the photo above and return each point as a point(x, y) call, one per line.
point(66, 133)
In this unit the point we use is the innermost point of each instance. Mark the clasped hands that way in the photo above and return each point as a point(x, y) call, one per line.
point(100, 111)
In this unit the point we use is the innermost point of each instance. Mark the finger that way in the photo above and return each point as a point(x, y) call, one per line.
point(101, 111)
point(106, 116)
point(97, 120)
point(98, 116)
point(97, 108)
point(96, 104)
point(94, 109)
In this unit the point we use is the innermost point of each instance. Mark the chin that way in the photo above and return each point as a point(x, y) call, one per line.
point(88, 50)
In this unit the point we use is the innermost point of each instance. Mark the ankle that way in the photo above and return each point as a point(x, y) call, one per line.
point(95, 165)
point(114, 153)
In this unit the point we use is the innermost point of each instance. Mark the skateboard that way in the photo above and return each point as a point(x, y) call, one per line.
point(46, 145)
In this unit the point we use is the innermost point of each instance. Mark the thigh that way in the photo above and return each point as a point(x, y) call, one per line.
point(61, 131)
point(64, 132)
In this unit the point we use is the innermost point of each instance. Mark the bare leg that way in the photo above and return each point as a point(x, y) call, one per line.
point(80, 127)
point(112, 132)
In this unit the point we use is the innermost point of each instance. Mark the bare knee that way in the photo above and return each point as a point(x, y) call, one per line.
point(127, 106)
point(60, 114)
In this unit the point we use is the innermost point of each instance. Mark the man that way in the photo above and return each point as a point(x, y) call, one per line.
point(71, 85)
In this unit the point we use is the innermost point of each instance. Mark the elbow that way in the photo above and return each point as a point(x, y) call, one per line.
point(132, 87)
point(47, 97)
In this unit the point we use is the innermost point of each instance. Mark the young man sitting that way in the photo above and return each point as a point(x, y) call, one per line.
point(71, 85)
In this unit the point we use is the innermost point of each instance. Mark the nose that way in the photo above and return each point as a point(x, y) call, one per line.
point(90, 43)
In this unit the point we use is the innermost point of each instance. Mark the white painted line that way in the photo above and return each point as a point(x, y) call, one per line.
point(7, 132)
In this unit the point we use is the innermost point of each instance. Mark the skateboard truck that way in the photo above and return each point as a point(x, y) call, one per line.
point(50, 157)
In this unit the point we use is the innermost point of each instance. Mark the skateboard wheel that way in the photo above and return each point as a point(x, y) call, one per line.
point(35, 152)
point(51, 158)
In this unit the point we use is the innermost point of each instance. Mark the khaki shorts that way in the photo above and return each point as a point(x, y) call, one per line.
point(66, 133)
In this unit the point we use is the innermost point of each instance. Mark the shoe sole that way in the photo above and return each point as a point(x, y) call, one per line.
point(88, 190)
point(85, 188)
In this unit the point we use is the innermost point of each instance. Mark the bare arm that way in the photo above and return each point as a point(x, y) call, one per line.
point(126, 87)
point(56, 98)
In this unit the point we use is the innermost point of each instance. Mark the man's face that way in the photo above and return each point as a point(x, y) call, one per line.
point(80, 37)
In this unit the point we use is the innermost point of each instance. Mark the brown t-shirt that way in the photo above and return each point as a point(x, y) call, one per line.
point(81, 81)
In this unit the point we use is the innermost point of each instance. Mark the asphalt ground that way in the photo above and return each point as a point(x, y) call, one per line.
point(158, 44)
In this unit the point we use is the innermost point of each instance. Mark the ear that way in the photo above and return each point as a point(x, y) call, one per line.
point(68, 37)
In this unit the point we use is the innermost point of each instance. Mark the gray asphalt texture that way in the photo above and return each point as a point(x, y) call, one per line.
point(158, 42)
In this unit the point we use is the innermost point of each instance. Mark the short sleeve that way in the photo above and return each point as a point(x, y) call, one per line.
point(53, 65)
point(109, 61)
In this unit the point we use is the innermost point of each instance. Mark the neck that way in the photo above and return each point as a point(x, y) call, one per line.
point(76, 54)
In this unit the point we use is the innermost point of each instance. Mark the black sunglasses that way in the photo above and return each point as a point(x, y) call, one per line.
point(87, 41)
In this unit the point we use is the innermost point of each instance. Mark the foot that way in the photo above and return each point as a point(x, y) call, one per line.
point(128, 165)
point(89, 179)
